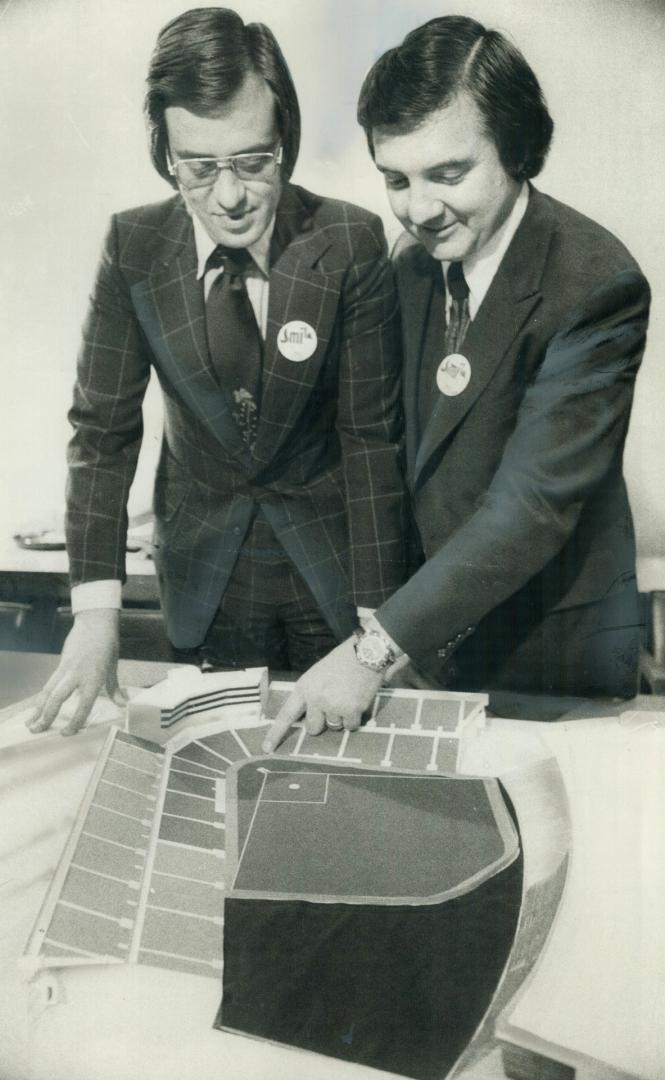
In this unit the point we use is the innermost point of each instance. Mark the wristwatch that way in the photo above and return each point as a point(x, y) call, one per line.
point(372, 650)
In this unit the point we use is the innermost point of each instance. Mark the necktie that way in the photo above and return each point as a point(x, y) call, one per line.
point(458, 321)
point(234, 339)
point(443, 336)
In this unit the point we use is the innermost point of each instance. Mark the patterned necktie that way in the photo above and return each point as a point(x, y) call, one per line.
point(458, 321)
point(234, 340)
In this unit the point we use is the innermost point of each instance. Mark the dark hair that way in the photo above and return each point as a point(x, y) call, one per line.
point(453, 54)
point(201, 60)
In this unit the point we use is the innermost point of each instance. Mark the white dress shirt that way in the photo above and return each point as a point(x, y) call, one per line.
point(480, 268)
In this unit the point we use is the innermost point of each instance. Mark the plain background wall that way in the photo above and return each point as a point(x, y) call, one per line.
point(72, 151)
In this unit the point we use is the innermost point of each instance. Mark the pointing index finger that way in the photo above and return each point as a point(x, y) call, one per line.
point(292, 709)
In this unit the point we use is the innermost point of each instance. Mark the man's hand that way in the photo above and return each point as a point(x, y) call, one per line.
point(88, 665)
point(334, 693)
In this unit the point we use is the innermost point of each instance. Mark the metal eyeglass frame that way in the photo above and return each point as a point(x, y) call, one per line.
point(230, 162)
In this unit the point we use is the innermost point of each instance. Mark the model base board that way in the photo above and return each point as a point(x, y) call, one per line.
point(142, 878)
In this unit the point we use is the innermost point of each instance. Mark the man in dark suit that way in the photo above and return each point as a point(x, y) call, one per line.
point(524, 325)
point(270, 317)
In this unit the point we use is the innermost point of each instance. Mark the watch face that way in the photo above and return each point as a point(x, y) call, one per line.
point(376, 649)
point(372, 649)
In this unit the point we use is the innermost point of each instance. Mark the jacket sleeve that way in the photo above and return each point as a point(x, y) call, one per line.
point(369, 420)
point(112, 374)
point(569, 433)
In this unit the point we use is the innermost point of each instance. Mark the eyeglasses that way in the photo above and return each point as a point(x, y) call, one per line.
point(203, 172)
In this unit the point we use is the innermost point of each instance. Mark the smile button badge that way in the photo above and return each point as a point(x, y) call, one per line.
point(297, 340)
point(453, 374)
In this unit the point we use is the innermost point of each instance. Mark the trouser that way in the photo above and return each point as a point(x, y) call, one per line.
point(267, 615)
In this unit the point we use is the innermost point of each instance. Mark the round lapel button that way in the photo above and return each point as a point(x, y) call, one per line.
point(453, 374)
point(297, 340)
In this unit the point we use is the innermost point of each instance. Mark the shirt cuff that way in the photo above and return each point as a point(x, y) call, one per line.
point(91, 595)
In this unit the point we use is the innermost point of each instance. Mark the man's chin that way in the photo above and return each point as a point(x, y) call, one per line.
point(443, 245)
point(446, 251)
point(238, 237)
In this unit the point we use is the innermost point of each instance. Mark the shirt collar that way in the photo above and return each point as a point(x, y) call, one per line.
point(480, 268)
point(260, 251)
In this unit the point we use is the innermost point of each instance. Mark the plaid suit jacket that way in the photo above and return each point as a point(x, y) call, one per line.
point(325, 468)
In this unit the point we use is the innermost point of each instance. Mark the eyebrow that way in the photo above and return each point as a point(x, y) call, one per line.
point(442, 166)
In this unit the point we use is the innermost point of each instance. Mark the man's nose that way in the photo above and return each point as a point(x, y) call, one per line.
point(424, 206)
point(228, 191)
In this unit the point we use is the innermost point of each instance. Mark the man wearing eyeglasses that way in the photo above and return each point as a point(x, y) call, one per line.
point(269, 315)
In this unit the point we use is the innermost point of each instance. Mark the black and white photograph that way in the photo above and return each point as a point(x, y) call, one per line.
point(332, 593)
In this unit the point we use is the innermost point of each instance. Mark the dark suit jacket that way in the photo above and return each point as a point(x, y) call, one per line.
point(326, 465)
point(517, 484)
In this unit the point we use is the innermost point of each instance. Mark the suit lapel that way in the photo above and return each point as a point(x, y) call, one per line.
point(170, 306)
point(416, 290)
point(299, 290)
point(512, 296)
